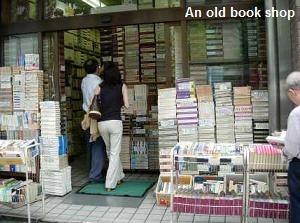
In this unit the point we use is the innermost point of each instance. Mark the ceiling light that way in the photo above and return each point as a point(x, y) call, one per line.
point(93, 3)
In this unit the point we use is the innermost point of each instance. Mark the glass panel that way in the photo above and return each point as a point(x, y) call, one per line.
point(228, 51)
point(16, 46)
point(60, 8)
point(19, 10)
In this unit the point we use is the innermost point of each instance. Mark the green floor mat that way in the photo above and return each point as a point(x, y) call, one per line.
point(130, 188)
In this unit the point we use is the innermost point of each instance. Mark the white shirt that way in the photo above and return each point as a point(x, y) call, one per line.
point(292, 138)
point(88, 86)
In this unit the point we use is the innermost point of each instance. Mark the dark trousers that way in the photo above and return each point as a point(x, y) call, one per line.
point(294, 190)
point(96, 157)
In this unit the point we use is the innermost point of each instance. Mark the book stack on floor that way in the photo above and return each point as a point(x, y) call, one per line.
point(260, 102)
point(224, 113)
point(187, 111)
point(243, 115)
point(206, 112)
point(55, 172)
point(167, 126)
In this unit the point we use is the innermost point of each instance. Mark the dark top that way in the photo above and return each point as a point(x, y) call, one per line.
point(111, 98)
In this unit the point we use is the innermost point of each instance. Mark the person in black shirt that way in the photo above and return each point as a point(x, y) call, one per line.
point(112, 95)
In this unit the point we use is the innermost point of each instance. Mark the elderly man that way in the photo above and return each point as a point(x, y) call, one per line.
point(292, 146)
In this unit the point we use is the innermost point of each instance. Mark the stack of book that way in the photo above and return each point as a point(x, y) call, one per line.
point(198, 74)
point(167, 126)
point(140, 99)
point(50, 118)
point(6, 91)
point(160, 52)
point(119, 49)
point(260, 103)
point(131, 54)
point(187, 111)
point(224, 113)
point(106, 43)
point(206, 111)
point(147, 52)
point(19, 91)
point(243, 115)
point(125, 152)
point(33, 89)
point(215, 74)
point(252, 38)
point(152, 134)
point(54, 159)
point(214, 41)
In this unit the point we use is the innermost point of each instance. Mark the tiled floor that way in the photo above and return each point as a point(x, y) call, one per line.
point(104, 209)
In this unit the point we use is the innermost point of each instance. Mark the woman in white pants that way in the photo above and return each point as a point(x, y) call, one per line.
point(112, 95)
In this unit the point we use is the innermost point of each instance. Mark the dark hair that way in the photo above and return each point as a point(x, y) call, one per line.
point(90, 66)
point(111, 74)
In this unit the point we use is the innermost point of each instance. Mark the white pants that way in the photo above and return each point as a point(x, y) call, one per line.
point(111, 132)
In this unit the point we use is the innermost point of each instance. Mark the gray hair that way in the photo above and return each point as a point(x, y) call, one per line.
point(293, 80)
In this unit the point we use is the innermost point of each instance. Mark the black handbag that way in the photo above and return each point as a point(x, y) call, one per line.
point(95, 108)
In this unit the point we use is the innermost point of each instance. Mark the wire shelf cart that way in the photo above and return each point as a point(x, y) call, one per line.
point(21, 152)
point(208, 179)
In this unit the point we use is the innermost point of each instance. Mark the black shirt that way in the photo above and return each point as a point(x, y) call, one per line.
point(111, 99)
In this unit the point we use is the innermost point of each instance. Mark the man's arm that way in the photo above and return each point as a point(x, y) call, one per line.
point(292, 138)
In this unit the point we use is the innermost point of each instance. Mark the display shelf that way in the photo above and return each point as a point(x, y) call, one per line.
point(17, 152)
point(254, 190)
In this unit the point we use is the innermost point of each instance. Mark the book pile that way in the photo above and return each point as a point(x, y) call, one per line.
point(215, 74)
point(140, 99)
point(160, 52)
point(18, 90)
point(125, 152)
point(198, 74)
point(106, 43)
point(50, 118)
point(131, 54)
point(6, 100)
point(224, 113)
point(206, 114)
point(167, 126)
point(265, 157)
point(33, 89)
point(54, 159)
point(147, 52)
point(243, 115)
point(152, 134)
point(260, 103)
point(214, 41)
point(57, 182)
point(252, 38)
point(119, 49)
point(176, 51)
point(186, 109)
